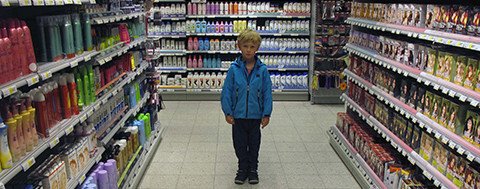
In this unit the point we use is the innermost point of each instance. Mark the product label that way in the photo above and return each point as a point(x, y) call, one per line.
point(38, 3)
point(470, 157)
point(74, 63)
point(460, 150)
point(68, 2)
point(5, 3)
point(46, 75)
point(25, 2)
point(27, 164)
point(9, 90)
point(77, 2)
point(59, 2)
point(54, 142)
point(69, 130)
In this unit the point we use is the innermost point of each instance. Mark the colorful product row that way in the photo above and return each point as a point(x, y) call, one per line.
point(197, 26)
point(172, 10)
point(459, 68)
point(167, 28)
point(168, 44)
point(17, 55)
point(195, 44)
point(239, 8)
point(205, 80)
point(285, 61)
point(282, 80)
point(105, 175)
point(285, 44)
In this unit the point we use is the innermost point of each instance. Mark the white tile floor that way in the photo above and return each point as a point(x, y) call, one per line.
point(197, 149)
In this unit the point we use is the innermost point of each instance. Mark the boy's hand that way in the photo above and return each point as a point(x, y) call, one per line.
point(265, 121)
point(230, 120)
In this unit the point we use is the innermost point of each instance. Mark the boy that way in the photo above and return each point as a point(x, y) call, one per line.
point(247, 104)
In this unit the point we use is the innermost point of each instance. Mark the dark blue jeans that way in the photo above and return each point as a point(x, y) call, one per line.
point(246, 141)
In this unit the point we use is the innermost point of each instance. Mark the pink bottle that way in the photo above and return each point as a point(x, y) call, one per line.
point(217, 27)
point(194, 9)
point(194, 62)
point(189, 9)
point(190, 44)
point(200, 62)
point(13, 34)
point(28, 43)
point(195, 44)
point(3, 61)
point(7, 58)
point(189, 64)
point(124, 36)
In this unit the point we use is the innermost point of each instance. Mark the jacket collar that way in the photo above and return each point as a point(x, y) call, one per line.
point(240, 62)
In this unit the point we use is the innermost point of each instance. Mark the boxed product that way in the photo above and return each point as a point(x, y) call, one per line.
point(420, 102)
point(409, 133)
point(426, 147)
point(452, 18)
point(452, 160)
point(445, 17)
point(471, 122)
point(439, 69)
point(460, 170)
point(402, 128)
point(437, 14)
point(477, 83)
point(449, 63)
point(410, 53)
point(476, 137)
point(412, 101)
point(439, 160)
point(404, 91)
point(458, 72)
point(452, 116)
point(435, 109)
point(463, 20)
point(443, 116)
point(470, 71)
point(370, 103)
point(432, 61)
point(470, 175)
point(430, 19)
point(417, 134)
point(429, 96)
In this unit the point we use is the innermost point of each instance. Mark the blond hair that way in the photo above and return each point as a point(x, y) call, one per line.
point(249, 35)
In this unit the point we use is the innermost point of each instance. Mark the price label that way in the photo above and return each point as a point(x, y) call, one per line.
point(27, 164)
point(414, 120)
point(463, 98)
point(404, 153)
point(429, 130)
point(54, 142)
point(422, 36)
point(444, 90)
point(436, 86)
point(394, 144)
point(83, 118)
point(407, 115)
point(80, 181)
point(25, 2)
point(409, 34)
point(470, 157)
point(5, 3)
point(415, 35)
point(46, 75)
point(38, 3)
point(474, 102)
point(9, 90)
point(115, 92)
point(411, 160)
point(427, 82)
point(460, 150)
point(387, 139)
point(69, 129)
point(32, 80)
point(292, 52)
point(170, 90)
point(402, 112)
point(90, 112)
point(68, 2)
point(105, 100)
point(451, 145)
point(452, 93)
point(445, 140)
point(74, 63)
point(437, 135)
point(470, 46)
point(405, 73)
point(108, 59)
point(459, 44)
point(431, 38)
point(427, 174)
point(77, 2)
point(436, 182)
point(369, 122)
point(93, 2)
point(439, 40)
point(59, 2)
point(449, 42)
point(97, 107)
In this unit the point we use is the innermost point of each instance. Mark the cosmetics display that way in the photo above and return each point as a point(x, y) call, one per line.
point(15, 44)
point(105, 175)
point(285, 61)
point(285, 44)
point(236, 26)
point(167, 28)
point(169, 11)
point(286, 80)
point(213, 44)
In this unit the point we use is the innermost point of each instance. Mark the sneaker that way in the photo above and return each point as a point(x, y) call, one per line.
point(253, 177)
point(241, 177)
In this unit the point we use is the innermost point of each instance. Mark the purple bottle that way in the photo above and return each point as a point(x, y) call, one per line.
point(194, 9)
point(189, 8)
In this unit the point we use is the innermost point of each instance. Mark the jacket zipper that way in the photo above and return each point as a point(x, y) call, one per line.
point(248, 91)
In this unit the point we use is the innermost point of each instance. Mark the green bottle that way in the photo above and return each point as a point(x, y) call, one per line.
point(67, 36)
point(91, 78)
point(57, 38)
point(87, 32)
point(77, 31)
point(41, 40)
point(86, 85)
point(80, 91)
point(51, 39)
point(137, 92)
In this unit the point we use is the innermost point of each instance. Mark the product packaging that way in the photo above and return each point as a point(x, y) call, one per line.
point(452, 160)
point(439, 160)
point(458, 71)
point(420, 102)
point(471, 122)
point(432, 61)
point(426, 146)
point(470, 73)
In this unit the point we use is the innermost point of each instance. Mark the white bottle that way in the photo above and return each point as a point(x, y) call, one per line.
point(300, 81)
point(272, 78)
point(201, 81)
point(222, 8)
point(189, 80)
point(294, 81)
point(195, 81)
point(206, 81)
point(213, 81)
point(288, 81)
point(305, 81)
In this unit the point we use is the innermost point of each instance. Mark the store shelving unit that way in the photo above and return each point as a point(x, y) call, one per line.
point(102, 59)
point(261, 34)
point(149, 150)
point(177, 94)
point(278, 16)
point(115, 18)
point(358, 167)
point(446, 87)
point(78, 180)
point(429, 171)
point(451, 39)
point(455, 142)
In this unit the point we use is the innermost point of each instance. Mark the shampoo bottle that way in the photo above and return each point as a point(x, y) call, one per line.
point(194, 62)
point(195, 44)
point(12, 137)
point(189, 64)
point(5, 155)
point(72, 90)
point(77, 31)
point(200, 61)
point(40, 105)
point(21, 137)
point(65, 98)
point(25, 116)
point(87, 32)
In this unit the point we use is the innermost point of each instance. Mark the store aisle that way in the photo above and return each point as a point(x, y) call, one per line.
point(197, 149)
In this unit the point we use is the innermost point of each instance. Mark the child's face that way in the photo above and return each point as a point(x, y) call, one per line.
point(248, 49)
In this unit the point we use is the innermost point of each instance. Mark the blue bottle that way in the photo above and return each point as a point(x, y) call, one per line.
point(206, 62)
point(219, 62)
point(204, 26)
point(132, 96)
point(141, 131)
point(206, 44)
point(200, 44)
point(197, 27)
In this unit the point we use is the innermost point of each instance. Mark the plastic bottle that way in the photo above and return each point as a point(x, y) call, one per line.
point(20, 134)
point(200, 61)
point(80, 91)
point(12, 136)
point(206, 82)
point(222, 8)
point(29, 44)
point(65, 98)
point(57, 102)
point(194, 61)
point(91, 77)
point(141, 130)
point(26, 127)
point(195, 44)
point(203, 26)
point(77, 31)
point(5, 155)
point(195, 81)
point(198, 26)
point(67, 36)
point(189, 80)
point(31, 118)
point(189, 64)
point(72, 90)
point(217, 27)
point(194, 9)
point(235, 8)
point(189, 8)
point(222, 27)
point(206, 44)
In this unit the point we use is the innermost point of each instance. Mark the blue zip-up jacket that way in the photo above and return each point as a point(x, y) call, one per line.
point(247, 96)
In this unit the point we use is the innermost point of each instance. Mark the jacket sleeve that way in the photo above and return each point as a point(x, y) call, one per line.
point(227, 93)
point(267, 94)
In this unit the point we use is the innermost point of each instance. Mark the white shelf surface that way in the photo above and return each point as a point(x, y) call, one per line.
point(366, 173)
point(449, 138)
point(78, 180)
point(452, 39)
point(429, 171)
point(142, 163)
point(64, 127)
point(446, 87)
point(115, 18)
